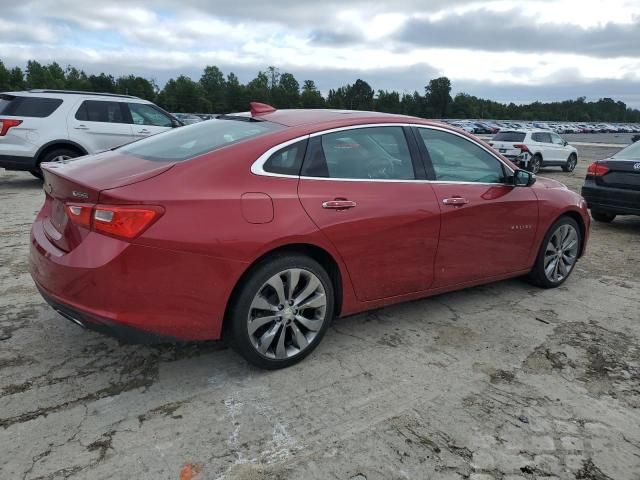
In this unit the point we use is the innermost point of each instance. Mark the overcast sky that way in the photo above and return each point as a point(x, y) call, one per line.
point(505, 50)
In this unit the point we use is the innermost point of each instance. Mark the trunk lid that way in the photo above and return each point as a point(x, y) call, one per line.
point(80, 181)
point(624, 174)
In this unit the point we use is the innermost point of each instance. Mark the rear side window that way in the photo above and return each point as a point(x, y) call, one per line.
point(509, 136)
point(541, 137)
point(34, 107)
point(97, 111)
point(372, 153)
point(288, 160)
point(183, 143)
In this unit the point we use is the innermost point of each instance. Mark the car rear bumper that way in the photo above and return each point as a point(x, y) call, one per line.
point(618, 201)
point(136, 292)
point(17, 162)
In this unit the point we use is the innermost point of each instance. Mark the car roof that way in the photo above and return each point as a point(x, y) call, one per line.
point(62, 94)
point(301, 117)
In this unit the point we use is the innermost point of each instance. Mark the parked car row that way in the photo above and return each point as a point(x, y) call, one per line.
point(493, 126)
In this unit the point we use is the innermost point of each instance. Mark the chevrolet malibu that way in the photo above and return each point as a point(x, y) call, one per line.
point(262, 227)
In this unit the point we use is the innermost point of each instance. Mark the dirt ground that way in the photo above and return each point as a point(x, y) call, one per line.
point(504, 381)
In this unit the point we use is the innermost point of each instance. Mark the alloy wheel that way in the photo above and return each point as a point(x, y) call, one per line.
point(61, 158)
point(561, 253)
point(287, 313)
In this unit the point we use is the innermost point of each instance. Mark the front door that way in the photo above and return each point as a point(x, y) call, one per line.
point(488, 227)
point(359, 187)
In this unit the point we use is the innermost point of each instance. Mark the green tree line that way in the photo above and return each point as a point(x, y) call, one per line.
point(216, 92)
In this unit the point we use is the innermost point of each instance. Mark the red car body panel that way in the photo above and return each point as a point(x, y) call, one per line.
point(176, 278)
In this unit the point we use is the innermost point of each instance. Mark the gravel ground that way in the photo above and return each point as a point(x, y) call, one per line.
point(504, 381)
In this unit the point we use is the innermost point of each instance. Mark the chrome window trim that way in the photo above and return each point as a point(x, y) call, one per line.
point(257, 168)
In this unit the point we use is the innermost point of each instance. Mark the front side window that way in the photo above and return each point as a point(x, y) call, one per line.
point(100, 111)
point(371, 153)
point(184, 143)
point(143, 114)
point(556, 139)
point(456, 159)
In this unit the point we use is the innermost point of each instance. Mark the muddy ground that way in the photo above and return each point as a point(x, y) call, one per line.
point(503, 381)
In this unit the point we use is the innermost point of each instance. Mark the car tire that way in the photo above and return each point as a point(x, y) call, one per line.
point(54, 155)
point(535, 163)
point(557, 256)
point(603, 217)
point(571, 163)
point(266, 307)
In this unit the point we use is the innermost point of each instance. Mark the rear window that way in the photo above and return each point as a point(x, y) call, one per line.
point(35, 107)
point(632, 152)
point(188, 142)
point(509, 136)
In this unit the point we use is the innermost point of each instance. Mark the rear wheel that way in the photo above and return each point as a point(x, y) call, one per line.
point(558, 254)
point(571, 163)
point(55, 155)
point(281, 312)
point(535, 163)
point(603, 216)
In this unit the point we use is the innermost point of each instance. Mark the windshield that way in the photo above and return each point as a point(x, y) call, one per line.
point(188, 142)
point(632, 152)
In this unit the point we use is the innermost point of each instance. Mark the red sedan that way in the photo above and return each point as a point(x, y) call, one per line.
point(266, 225)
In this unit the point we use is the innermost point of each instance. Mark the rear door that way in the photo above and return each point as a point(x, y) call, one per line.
point(148, 120)
point(100, 124)
point(545, 146)
point(366, 192)
point(487, 226)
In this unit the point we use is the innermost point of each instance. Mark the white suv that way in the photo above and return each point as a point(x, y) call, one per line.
point(534, 149)
point(48, 125)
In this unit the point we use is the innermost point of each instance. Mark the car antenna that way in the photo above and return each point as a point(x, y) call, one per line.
point(258, 108)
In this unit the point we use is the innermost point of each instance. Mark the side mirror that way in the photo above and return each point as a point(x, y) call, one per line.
point(565, 143)
point(175, 123)
point(522, 178)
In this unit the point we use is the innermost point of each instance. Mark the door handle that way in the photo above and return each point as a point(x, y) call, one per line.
point(81, 127)
point(455, 201)
point(144, 130)
point(338, 204)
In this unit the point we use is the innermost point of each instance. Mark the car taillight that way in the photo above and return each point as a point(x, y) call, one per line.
point(124, 222)
point(79, 214)
point(523, 148)
point(118, 221)
point(597, 169)
point(6, 124)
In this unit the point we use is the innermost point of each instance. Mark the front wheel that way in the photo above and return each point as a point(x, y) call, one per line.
point(281, 312)
point(558, 254)
point(571, 163)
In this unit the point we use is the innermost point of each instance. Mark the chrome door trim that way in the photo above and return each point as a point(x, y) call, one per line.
point(257, 167)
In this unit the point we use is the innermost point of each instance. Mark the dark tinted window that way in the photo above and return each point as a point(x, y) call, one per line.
point(184, 143)
point(509, 136)
point(143, 114)
point(541, 137)
point(363, 153)
point(97, 111)
point(35, 107)
point(456, 159)
point(288, 160)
